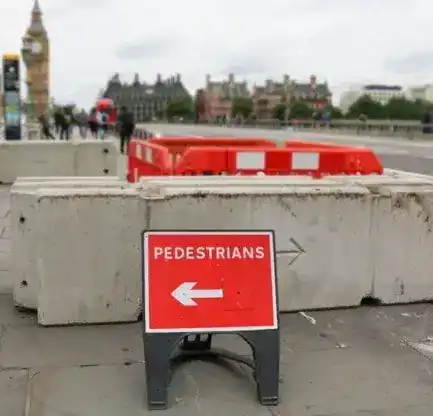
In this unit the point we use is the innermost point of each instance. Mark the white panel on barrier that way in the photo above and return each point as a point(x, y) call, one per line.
point(138, 152)
point(250, 160)
point(149, 153)
point(305, 161)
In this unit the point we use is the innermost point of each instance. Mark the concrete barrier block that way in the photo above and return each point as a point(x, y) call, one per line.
point(25, 238)
point(402, 244)
point(322, 235)
point(57, 158)
point(90, 264)
point(96, 158)
point(64, 178)
point(380, 180)
point(36, 158)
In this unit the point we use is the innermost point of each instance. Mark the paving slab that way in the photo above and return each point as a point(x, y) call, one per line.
point(10, 317)
point(13, 390)
point(70, 346)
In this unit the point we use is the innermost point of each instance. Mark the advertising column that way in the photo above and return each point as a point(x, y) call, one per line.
point(11, 97)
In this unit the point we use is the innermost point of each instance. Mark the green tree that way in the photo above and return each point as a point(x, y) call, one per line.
point(242, 107)
point(336, 112)
point(368, 107)
point(404, 109)
point(180, 107)
point(279, 111)
point(301, 110)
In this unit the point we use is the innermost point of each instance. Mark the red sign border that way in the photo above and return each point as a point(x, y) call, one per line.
point(145, 281)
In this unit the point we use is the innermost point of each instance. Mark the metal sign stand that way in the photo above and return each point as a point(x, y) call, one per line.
point(160, 361)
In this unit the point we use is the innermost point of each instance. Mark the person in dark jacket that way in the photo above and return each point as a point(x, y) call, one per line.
point(65, 125)
point(93, 123)
point(126, 128)
point(58, 121)
point(81, 120)
point(426, 122)
point(45, 126)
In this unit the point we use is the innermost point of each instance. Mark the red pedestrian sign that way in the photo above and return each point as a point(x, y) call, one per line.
point(209, 281)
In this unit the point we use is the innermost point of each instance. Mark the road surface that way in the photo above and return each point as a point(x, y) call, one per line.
point(394, 152)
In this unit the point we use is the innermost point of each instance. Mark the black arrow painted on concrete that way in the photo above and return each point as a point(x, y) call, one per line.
point(296, 251)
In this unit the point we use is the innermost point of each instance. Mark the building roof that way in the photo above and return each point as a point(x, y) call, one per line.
point(383, 87)
point(300, 90)
point(171, 87)
point(228, 90)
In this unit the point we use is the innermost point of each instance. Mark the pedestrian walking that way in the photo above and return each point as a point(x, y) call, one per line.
point(126, 128)
point(65, 125)
point(102, 119)
point(81, 120)
point(45, 127)
point(93, 123)
point(57, 121)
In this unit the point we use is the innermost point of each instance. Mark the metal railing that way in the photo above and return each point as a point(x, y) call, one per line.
point(397, 128)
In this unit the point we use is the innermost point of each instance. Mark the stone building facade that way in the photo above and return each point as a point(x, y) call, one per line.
point(287, 91)
point(145, 100)
point(216, 97)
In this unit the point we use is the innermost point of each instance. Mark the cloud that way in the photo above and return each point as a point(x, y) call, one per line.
point(345, 42)
point(412, 63)
point(146, 48)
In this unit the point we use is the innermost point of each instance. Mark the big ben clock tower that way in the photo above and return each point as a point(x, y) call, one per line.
point(36, 56)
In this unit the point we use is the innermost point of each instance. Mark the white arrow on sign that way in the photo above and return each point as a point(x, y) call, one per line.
point(185, 294)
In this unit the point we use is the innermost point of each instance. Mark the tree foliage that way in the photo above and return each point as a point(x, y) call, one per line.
point(180, 107)
point(279, 111)
point(364, 108)
point(398, 108)
point(301, 110)
point(242, 107)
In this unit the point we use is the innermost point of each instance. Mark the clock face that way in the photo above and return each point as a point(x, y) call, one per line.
point(36, 47)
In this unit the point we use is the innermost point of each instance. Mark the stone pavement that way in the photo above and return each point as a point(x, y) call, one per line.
point(367, 361)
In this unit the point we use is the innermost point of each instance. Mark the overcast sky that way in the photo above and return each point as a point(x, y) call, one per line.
point(343, 41)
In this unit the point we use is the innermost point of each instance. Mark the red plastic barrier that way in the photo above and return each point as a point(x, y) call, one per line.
point(231, 156)
point(316, 162)
point(178, 145)
point(202, 161)
point(317, 145)
point(147, 159)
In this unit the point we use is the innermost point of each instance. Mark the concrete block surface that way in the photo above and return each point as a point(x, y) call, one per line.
point(25, 237)
point(96, 158)
point(402, 243)
point(57, 158)
point(322, 235)
point(89, 266)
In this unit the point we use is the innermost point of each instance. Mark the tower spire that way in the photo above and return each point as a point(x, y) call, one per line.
point(36, 26)
point(36, 8)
